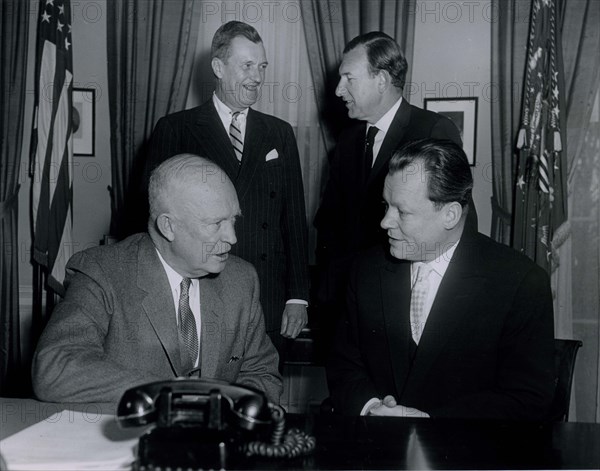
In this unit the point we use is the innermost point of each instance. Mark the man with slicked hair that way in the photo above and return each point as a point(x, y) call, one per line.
point(260, 155)
point(372, 80)
point(158, 305)
point(444, 322)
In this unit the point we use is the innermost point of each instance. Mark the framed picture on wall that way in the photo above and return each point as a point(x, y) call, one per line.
point(463, 112)
point(84, 101)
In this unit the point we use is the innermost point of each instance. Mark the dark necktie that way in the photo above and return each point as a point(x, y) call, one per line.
point(369, 150)
point(187, 323)
point(235, 134)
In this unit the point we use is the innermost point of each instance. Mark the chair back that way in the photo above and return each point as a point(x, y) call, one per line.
point(565, 354)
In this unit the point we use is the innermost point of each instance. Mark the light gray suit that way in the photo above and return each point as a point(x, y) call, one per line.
point(116, 328)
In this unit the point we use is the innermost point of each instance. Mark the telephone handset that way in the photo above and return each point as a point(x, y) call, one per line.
point(205, 424)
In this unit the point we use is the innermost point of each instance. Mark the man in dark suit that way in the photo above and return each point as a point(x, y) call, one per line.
point(259, 153)
point(452, 324)
point(161, 304)
point(372, 76)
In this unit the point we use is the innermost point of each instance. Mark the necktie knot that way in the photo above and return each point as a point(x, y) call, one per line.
point(185, 287)
point(423, 271)
point(371, 133)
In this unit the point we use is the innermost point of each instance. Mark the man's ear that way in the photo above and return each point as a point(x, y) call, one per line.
point(217, 67)
point(384, 82)
point(452, 214)
point(164, 225)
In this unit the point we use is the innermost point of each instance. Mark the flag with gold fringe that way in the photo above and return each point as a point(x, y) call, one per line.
point(540, 212)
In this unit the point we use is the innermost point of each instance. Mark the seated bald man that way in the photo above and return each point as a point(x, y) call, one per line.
point(161, 304)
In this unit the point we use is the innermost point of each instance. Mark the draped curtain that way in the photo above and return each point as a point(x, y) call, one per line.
point(509, 37)
point(14, 29)
point(150, 59)
point(575, 282)
point(580, 253)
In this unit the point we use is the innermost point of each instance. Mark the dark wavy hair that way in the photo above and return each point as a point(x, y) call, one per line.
point(221, 43)
point(446, 167)
point(383, 53)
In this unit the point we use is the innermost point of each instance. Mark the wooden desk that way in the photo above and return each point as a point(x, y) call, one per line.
point(386, 443)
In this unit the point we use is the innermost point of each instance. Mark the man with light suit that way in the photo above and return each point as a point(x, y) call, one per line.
point(161, 304)
point(259, 154)
point(445, 322)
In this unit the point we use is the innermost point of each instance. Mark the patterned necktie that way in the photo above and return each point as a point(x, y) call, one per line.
point(417, 300)
point(369, 150)
point(187, 323)
point(235, 134)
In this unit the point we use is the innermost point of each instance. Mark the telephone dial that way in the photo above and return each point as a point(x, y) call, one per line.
point(202, 424)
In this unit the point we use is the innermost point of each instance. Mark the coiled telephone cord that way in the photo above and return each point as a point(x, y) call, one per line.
point(291, 444)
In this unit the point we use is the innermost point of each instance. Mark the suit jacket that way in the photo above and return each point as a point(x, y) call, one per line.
point(486, 350)
point(351, 208)
point(272, 232)
point(116, 328)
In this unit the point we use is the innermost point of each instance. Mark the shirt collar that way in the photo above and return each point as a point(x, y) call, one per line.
point(224, 110)
point(385, 121)
point(441, 262)
point(174, 277)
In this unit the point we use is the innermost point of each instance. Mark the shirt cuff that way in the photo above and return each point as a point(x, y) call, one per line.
point(370, 403)
point(297, 301)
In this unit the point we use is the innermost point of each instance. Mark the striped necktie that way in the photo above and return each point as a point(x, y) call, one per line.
point(187, 324)
point(235, 134)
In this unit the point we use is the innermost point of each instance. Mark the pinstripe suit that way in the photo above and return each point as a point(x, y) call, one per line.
point(272, 233)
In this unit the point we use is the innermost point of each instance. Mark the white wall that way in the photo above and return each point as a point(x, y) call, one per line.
point(452, 59)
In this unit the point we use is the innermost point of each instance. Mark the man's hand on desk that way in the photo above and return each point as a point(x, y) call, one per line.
point(390, 408)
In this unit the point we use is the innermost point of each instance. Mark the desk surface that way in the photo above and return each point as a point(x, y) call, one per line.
point(387, 443)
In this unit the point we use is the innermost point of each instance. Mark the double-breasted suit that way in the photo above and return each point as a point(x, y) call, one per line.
point(486, 350)
point(117, 328)
point(272, 231)
point(352, 206)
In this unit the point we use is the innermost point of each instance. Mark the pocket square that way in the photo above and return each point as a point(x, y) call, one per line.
point(272, 155)
point(233, 358)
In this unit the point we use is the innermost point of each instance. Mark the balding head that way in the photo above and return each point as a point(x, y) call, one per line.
point(193, 206)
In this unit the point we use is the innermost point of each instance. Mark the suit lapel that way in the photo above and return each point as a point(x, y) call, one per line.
point(211, 305)
point(451, 310)
point(158, 302)
point(395, 282)
point(392, 139)
point(213, 139)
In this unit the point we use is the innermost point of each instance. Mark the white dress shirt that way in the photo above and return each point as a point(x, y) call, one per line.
point(383, 125)
point(226, 116)
point(175, 283)
point(438, 270)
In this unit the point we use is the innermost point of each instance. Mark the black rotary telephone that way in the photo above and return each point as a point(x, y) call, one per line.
point(203, 424)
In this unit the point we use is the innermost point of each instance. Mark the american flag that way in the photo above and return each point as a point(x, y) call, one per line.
point(540, 192)
point(52, 142)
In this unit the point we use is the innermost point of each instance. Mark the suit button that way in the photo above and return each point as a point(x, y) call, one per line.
point(263, 256)
point(265, 225)
point(273, 194)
